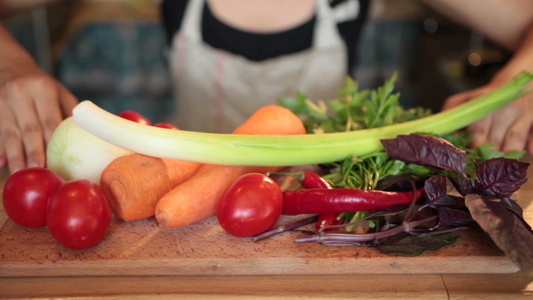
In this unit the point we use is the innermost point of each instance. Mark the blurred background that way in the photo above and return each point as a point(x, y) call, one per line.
point(113, 52)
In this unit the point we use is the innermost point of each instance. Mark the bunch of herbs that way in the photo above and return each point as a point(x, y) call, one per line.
point(464, 188)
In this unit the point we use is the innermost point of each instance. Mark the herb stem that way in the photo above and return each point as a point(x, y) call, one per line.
point(347, 238)
point(284, 228)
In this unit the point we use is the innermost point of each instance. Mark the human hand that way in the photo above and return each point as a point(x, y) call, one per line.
point(508, 129)
point(32, 104)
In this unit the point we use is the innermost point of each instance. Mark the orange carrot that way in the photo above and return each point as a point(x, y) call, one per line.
point(197, 198)
point(134, 183)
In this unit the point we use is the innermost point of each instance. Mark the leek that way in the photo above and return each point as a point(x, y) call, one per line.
point(279, 150)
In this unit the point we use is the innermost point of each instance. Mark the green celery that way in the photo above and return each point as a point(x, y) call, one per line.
point(282, 150)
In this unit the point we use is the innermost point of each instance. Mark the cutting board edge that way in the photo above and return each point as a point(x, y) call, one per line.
point(267, 266)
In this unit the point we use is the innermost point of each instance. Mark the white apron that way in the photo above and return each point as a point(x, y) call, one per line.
point(216, 91)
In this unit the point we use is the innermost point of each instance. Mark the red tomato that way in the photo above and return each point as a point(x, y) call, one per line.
point(78, 214)
point(250, 205)
point(135, 117)
point(166, 125)
point(26, 195)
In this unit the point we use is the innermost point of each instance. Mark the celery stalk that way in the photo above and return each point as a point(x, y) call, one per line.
point(280, 150)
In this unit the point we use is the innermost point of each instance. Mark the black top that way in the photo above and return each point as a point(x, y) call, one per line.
point(259, 46)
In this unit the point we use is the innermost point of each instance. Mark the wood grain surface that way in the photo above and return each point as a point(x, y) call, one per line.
point(144, 248)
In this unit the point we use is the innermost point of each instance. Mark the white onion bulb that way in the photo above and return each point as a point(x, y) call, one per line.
point(74, 153)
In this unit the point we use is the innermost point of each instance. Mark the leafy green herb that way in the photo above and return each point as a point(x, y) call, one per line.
point(486, 204)
point(354, 109)
point(445, 164)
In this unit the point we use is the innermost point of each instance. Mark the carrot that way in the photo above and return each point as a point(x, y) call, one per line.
point(197, 198)
point(134, 183)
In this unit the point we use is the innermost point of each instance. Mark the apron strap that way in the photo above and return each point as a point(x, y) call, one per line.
point(325, 31)
point(192, 21)
point(346, 11)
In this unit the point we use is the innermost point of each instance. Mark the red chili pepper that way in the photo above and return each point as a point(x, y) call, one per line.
point(328, 219)
point(311, 180)
point(319, 201)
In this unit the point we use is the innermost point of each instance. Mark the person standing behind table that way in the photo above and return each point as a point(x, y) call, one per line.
point(230, 57)
point(32, 103)
point(508, 24)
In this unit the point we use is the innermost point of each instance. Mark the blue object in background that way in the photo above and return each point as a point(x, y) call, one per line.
point(119, 66)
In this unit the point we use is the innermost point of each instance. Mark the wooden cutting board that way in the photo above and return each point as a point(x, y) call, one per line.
point(143, 248)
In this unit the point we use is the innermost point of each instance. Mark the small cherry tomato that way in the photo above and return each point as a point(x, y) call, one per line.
point(26, 195)
point(135, 117)
point(78, 214)
point(166, 125)
point(250, 205)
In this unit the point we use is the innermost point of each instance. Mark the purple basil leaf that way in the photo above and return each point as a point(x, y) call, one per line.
point(464, 186)
point(413, 245)
point(513, 206)
point(454, 217)
point(348, 243)
point(506, 229)
point(436, 190)
point(427, 150)
point(449, 201)
point(397, 181)
point(501, 177)
point(393, 210)
point(436, 187)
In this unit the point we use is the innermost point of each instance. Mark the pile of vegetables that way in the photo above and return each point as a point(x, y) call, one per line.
point(66, 197)
point(455, 197)
point(409, 197)
point(401, 180)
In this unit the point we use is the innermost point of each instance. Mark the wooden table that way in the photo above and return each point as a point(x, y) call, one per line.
point(368, 285)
